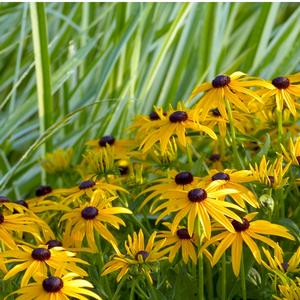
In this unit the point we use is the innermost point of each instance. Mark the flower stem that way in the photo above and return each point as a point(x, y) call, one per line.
point(280, 129)
point(238, 161)
point(243, 279)
point(131, 296)
point(115, 296)
point(200, 265)
point(223, 277)
point(210, 286)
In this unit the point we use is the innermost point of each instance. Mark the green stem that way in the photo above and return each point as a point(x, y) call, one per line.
point(238, 161)
point(280, 129)
point(115, 296)
point(132, 291)
point(223, 277)
point(210, 286)
point(243, 279)
point(200, 265)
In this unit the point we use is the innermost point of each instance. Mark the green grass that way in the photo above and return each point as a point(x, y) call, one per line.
point(106, 62)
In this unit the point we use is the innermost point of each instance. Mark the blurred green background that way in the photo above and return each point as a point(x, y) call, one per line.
point(99, 64)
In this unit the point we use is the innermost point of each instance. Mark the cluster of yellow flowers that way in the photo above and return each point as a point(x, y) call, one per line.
point(194, 180)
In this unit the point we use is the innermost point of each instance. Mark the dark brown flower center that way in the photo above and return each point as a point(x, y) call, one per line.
point(43, 190)
point(107, 139)
point(298, 159)
point(52, 284)
point(153, 116)
point(178, 116)
point(54, 243)
point(22, 202)
point(285, 265)
point(281, 82)
point(40, 254)
point(272, 179)
point(183, 178)
point(183, 234)
point(142, 253)
point(240, 226)
point(1, 218)
point(4, 199)
point(86, 184)
point(197, 195)
point(220, 176)
point(216, 112)
point(89, 212)
point(215, 157)
point(221, 81)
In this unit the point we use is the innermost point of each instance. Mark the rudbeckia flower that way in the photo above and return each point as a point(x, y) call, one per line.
point(197, 204)
point(179, 240)
point(285, 90)
point(82, 221)
point(234, 88)
point(40, 260)
point(232, 179)
point(58, 161)
point(293, 153)
point(278, 263)
point(245, 231)
point(271, 174)
point(42, 192)
point(59, 286)
point(86, 188)
point(18, 223)
point(181, 181)
point(138, 257)
point(289, 290)
point(175, 123)
point(120, 148)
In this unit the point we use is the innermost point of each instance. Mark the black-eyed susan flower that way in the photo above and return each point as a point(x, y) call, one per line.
point(81, 222)
point(277, 262)
point(40, 260)
point(85, 189)
point(120, 148)
point(290, 290)
point(245, 232)
point(197, 203)
point(41, 192)
point(59, 286)
point(175, 180)
point(179, 240)
point(293, 153)
point(232, 179)
point(234, 88)
point(138, 258)
point(175, 123)
point(271, 174)
point(285, 90)
point(18, 223)
point(58, 161)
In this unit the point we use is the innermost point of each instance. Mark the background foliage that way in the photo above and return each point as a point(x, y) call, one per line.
point(111, 61)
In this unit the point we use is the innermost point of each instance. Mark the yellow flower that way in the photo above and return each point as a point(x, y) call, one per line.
point(179, 240)
point(120, 148)
point(245, 231)
point(176, 181)
point(175, 123)
point(232, 179)
point(58, 287)
point(293, 155)
point(58, 161)
point(278, 263)
point(271, 174)
point(40, 259)
point(138, 257)
point(214, 118)
point(197, 204)
point(85, 189)
point(234, 88)
point(285, 90)
point(82, 221)
point(289, 290)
